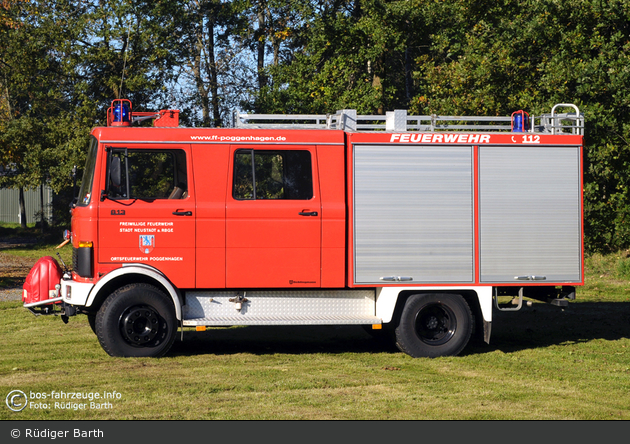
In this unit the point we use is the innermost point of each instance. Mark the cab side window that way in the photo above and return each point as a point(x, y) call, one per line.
point(147, 174)
point(263, 174)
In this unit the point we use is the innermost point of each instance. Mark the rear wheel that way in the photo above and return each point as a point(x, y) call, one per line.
point(137, 320)
point(433, 325)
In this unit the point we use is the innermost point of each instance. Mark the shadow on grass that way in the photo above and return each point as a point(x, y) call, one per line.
point(282, 340)
point(545, 325)
point(533, 327)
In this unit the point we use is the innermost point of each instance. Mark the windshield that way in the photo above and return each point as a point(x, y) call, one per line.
point(85, 193)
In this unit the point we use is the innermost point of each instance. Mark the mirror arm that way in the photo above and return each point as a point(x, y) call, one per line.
point(127, 173)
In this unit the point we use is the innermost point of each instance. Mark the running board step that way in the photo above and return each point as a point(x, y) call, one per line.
point(318, 307)
point(253, 320)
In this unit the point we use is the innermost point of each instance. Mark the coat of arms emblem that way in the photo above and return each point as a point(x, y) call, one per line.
point(147, 243)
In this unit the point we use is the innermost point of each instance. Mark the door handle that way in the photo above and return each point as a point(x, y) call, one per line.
point(182, 213)
point(530, 278)
point(308, 213)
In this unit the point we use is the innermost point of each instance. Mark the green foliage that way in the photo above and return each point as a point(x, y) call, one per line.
point(349, 56)
point(530, 56)
point(477, 57)
point(64, 61)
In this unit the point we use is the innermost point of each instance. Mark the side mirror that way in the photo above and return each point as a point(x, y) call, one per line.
point(115, 177)
point(73, 176)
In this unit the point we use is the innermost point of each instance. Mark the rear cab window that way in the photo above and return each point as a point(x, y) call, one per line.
point(267, 174)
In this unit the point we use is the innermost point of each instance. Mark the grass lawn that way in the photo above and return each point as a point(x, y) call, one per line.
point(543, 363)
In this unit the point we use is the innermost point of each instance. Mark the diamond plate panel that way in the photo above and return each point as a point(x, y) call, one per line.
point(281, 308)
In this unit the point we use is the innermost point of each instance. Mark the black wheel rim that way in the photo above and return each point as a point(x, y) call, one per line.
point(435, 324)
point(140, 326)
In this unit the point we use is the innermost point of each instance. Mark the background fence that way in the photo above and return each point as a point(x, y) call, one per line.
point(10, 204)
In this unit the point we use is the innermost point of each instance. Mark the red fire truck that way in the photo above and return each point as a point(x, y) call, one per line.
point(417, 225)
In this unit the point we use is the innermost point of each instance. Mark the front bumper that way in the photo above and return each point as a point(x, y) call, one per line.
point(75, 293)
point(69, 295)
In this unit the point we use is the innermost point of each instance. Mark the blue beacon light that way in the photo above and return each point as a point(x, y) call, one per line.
point(520, 121)
point(121, 113)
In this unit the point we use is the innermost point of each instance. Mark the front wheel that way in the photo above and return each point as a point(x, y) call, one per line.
point(433, 325)
point(137, 320)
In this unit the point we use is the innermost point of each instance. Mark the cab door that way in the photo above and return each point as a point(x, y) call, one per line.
point(273, 218)
point(147, 211)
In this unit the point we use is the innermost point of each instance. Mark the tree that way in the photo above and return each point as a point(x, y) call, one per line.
point(348, 54)
point(64, 62)
point(207, 75)
point(30, 94)
point(495, 58)
point(474, 57)
point(267, 24)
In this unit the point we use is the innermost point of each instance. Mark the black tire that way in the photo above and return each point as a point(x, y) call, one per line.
point(137, 320)
point(433, 325)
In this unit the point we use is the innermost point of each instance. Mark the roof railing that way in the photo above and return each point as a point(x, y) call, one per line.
point(399, 121)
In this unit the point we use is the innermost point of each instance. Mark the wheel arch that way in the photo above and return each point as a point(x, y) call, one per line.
point(133, 274)
point(470, 296)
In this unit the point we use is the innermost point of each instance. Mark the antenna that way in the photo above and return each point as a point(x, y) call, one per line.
point(122, 78)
